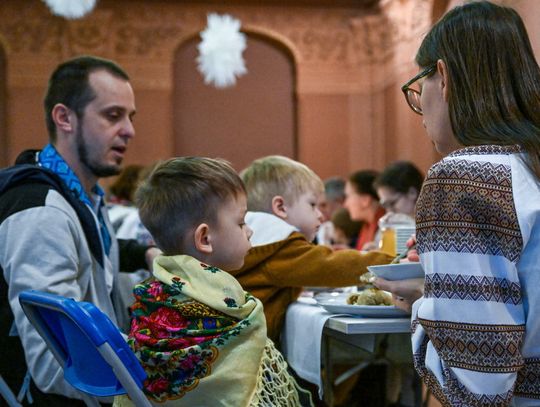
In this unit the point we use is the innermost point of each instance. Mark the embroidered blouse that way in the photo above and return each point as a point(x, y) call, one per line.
point(476, 331)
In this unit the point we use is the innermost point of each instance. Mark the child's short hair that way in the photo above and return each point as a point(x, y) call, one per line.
point(275, 175)
point(181, 193)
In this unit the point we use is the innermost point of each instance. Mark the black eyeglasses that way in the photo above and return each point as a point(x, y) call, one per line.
point(412, 95)
point(389, 204)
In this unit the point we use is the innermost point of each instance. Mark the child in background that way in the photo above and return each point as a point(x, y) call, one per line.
point(282, 196)
point(122, 191)
point(200, 337)
point(345, 230)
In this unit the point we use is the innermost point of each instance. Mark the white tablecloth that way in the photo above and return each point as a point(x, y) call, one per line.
point(302, 337)
point(301, 342)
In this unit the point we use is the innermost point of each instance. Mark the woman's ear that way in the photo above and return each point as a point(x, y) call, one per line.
point(202, 239)
point(278, 207)
point(443, 71)
point(63, 117)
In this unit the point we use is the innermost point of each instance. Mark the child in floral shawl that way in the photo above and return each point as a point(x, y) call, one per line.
point(200, 337)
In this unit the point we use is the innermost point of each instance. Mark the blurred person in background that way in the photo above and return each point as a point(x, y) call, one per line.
point(345, 230)
point(398, 187)
point(121, 194)
point(332, 200)
point(362, 202)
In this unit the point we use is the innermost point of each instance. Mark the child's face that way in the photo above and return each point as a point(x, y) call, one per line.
point(305, 214)
point(230, 237)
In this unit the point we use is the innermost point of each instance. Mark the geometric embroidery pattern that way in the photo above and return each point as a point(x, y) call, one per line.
point(473, 288)
point(528, 380)
point(481, 348)
point(50, 158)
point(467, 207)
point(487, 150)
point(454, 393)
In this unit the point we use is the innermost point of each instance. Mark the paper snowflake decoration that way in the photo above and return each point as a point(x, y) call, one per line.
point(220, 51)
point(70, 9)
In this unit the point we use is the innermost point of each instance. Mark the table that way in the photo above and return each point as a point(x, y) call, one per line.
point(309, 330)
point(359, 332)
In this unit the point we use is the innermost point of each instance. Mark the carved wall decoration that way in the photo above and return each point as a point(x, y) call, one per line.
point(349, 54)
point(29, 29)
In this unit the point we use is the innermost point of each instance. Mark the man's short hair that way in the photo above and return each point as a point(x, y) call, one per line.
point(69, 85)
point(275, 175)
point(181, 193)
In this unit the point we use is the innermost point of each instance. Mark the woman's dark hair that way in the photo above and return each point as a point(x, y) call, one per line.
point(362, 181)
point(494, 79)
point(400, 176)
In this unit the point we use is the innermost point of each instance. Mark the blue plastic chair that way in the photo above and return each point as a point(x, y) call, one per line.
point(8, 395)
point(94, 355)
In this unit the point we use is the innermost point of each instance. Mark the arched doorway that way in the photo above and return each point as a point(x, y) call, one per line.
point(254, 118)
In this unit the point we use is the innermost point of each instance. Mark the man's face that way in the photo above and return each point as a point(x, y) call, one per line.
point(105, 128)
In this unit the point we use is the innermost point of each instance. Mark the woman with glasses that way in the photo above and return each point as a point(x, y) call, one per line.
point(476, 328)
point(398, 187)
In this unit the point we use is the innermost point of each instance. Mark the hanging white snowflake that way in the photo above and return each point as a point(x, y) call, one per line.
point(70, 9)
point(220, 51)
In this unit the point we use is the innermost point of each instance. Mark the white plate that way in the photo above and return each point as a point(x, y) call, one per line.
point(337, 304)
point(400, 271)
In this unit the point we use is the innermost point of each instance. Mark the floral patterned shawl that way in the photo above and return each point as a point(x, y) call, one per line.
point(198, 334)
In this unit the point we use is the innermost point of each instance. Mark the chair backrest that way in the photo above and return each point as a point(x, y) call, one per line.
point(94, 355)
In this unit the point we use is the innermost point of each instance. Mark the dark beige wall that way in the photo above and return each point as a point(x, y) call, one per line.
point(344, 65)
point(335, 55)
point(256, 117)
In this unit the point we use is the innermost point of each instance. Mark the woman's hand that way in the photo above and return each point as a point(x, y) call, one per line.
point(412, 254)
point(404, 292)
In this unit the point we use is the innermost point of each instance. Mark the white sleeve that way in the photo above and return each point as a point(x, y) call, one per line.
point(39, 252)
point(469, 327)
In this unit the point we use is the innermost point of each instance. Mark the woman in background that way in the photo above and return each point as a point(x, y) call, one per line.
point(398, 187)
point(362, 202)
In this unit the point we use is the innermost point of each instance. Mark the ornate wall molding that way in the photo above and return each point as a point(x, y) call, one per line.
point(336, 44)
point(328, 36)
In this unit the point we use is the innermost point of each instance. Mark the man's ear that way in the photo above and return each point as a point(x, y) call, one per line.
point(443, 71)
point(64, 118)
point(278, 207)
point(202, 238)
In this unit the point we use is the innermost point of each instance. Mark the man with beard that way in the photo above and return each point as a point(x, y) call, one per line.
point(54, 229)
